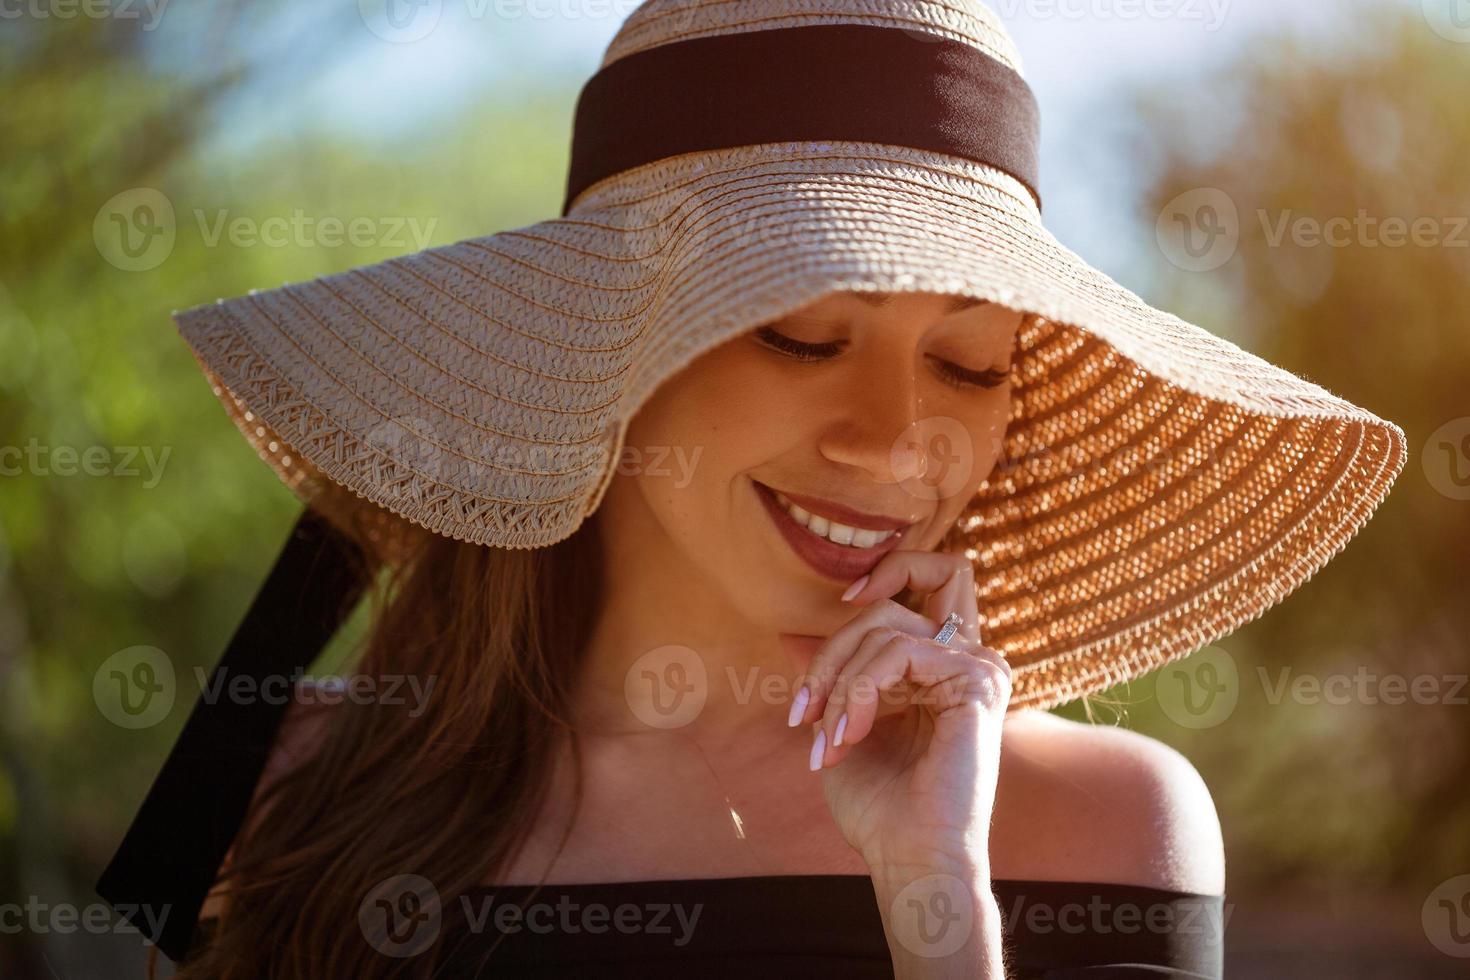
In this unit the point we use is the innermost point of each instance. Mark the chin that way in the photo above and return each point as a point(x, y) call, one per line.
point(801, 648)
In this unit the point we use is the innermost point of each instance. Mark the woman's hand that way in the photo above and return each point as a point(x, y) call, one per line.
point(906, 731)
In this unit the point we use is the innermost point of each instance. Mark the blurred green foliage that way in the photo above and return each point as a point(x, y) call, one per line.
point(170, 557)
point(1322, 798)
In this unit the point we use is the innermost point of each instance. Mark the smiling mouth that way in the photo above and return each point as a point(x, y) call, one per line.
point(837, 549)
point(847, 535)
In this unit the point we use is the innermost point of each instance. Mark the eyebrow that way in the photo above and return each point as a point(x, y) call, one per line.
point(955, 304)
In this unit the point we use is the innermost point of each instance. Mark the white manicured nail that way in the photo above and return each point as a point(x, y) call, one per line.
point(841, 727)
point(798, 706)
point(819, 748)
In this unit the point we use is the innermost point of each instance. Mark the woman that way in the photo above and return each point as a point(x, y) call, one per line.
point(673, 497)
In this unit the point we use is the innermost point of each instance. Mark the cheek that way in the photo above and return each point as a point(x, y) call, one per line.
point(984, 422)
point(709, 424)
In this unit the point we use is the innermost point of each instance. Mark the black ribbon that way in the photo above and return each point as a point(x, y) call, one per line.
point(171, 854)
point(819, 82)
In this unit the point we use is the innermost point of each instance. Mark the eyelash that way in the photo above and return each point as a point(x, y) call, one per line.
point(953, 375)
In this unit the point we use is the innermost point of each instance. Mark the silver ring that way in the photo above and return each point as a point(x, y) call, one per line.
point(947, 631)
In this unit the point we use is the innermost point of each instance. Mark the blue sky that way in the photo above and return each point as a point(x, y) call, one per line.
point(439, 56)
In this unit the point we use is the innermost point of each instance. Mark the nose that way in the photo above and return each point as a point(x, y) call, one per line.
point(874, 428)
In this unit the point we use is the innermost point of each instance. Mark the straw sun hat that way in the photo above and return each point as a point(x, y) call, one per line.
point(733, 161)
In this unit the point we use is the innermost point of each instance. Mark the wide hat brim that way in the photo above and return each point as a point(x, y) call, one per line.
point(1158, 487)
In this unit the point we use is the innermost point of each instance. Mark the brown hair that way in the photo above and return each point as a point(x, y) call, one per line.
point(448, 795)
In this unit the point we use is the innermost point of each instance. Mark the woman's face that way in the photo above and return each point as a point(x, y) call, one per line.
point(875, 417)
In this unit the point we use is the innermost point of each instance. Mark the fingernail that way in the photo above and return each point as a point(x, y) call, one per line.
point(798, 706)
point(819, 748)
point(841, 727)
point(854, 589)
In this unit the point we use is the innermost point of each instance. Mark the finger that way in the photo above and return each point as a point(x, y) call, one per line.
point(837, 649)
point(946, 579)
point(852, 684)
point(942, 678)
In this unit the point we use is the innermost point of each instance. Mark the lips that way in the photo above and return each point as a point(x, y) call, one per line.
point(838, 562)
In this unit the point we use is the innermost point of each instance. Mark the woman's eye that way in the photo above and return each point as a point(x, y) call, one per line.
point(951, 373)
point(959, 377)
point(796, 348)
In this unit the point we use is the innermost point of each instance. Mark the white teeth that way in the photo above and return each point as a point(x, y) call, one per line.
point(853, 537)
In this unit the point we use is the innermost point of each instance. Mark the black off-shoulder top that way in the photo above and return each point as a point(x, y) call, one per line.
point(811, 926)
point(777, 926)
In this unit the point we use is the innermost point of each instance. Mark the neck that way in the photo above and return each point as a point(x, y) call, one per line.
point(669, 653)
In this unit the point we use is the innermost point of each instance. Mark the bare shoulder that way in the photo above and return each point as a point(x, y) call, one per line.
point(1083, 802)
point(301, 732)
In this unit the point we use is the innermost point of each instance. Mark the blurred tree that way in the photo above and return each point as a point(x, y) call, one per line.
point(1317, 145)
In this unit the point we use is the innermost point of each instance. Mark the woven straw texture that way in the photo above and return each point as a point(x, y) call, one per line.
point(1158, 486)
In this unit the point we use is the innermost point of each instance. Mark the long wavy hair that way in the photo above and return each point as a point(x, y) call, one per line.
point(447, 794)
